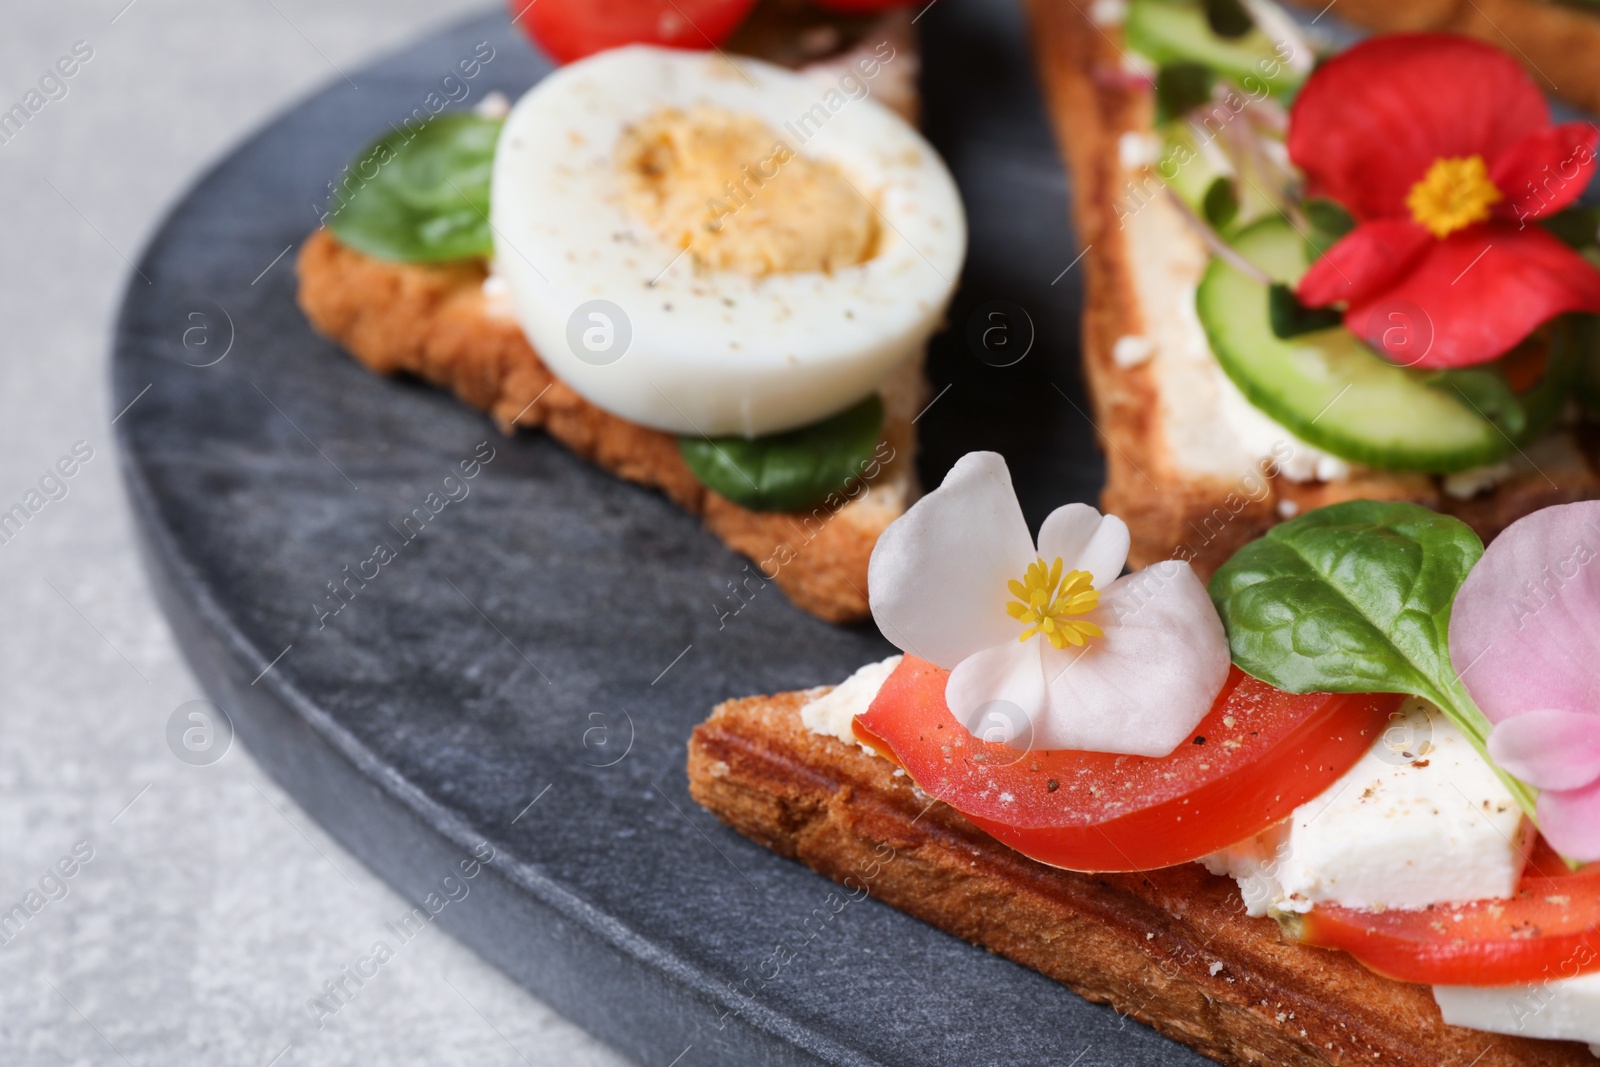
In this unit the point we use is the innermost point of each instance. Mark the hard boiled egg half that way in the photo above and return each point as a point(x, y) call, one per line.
point(714, 246)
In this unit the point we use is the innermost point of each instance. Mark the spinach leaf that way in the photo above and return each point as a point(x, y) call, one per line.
point(1328, 216)
point(1220, 206)
point(1488, 393)
point(1356, 598)
point(1583, 354)
point(1180, 88)
point(1290, 318)
point(1578, 226)
point(789, 471)
point(420, 194)
point(1228, 18)
point(1329, 222)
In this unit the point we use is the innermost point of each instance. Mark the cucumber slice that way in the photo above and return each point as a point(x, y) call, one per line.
point(1327, 388)
point(1194, 168)
point(1175, 31)
point(1188, 167)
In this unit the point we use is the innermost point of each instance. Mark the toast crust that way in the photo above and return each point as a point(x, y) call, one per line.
point(1173, 510)
point(1149, 944)
point(435, 323)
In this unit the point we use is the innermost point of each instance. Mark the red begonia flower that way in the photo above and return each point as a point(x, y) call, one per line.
point(1441, 148)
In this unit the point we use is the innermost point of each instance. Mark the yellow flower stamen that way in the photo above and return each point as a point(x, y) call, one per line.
point(1047, 600)
point(1454, 194)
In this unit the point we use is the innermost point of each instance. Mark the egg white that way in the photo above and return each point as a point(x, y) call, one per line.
point(715, 352)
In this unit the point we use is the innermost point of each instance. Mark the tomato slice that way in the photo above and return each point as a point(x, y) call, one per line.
point(1550, 929)
point(572, 29)
point(1258, 754)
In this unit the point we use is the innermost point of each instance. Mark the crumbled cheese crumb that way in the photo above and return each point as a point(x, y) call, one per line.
point(1136, 149)
point(832, 712)
point(1332, 469)
point(1108, 12)
point(497, 296)
point(1464, 485)
point(494, 106)
point(1134, 63)
point(1216, 968)
point(1132, 350)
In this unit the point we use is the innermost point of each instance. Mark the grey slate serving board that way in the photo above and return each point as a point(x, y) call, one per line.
point(521, 677)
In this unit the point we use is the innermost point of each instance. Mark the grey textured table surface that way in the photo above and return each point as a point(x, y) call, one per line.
point(211, 910)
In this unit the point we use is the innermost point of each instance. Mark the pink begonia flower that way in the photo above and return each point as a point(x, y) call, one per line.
point(1525, 639)
point(1047, 647)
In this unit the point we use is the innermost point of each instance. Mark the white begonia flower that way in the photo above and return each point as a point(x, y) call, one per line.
point(1046, 646)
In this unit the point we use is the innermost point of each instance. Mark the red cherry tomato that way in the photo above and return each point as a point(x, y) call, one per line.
point(1258, 754)
point(1550, 929)
point(572, 29)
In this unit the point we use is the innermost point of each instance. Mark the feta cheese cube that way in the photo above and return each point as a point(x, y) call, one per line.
point(1561, 1009)
point(1420, 819)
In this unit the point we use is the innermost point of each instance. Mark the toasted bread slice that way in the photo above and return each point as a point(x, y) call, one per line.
point(1173, 948)
point(437, 323)
point(1557, 42)
point(1174, 472)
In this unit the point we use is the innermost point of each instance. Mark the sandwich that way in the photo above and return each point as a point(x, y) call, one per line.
point(1334, 807)
point(1285, 310)
point(711, 275)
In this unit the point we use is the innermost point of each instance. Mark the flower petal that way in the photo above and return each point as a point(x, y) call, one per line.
point(999, 693)
point(1545, 171)
point(1086, 541)
point(1368, 260)
point(1570, 821)
point(937, 579)
point(1143, 687)
point(1474, 295)
point(1371, 121)
point(1526, 624)
point(1549, 748)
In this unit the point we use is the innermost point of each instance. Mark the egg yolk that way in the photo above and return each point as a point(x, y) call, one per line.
point(728, 188)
